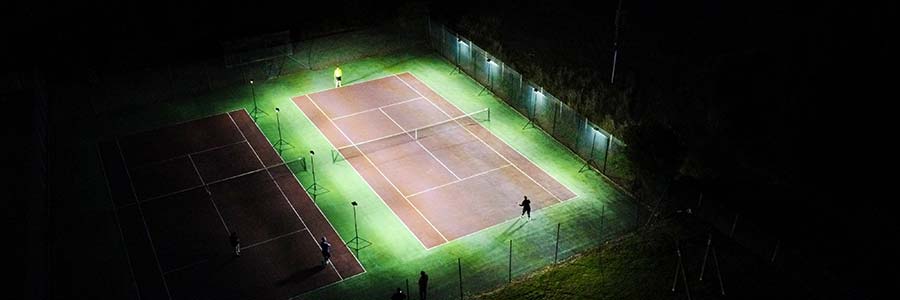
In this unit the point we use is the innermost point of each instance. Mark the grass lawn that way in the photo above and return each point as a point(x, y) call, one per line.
point(641, 265)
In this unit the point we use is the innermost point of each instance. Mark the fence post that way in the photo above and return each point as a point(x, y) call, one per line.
point(705, 255)
point(700, 201)
point(459, 266)
point(609, 140)
point(510, 262)
point(734, 225)
point(556, 115)
point(775, 253)
point(718, 272)
point(556, 253)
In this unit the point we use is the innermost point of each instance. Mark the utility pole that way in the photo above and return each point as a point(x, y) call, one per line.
point(612, 78)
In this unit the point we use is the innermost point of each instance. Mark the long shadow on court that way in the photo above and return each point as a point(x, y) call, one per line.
point(515, 226)
point(300, 275)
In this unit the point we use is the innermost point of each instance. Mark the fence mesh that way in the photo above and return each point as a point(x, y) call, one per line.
point(597, 147)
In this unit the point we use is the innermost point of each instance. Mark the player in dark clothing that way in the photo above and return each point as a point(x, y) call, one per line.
point(423, 285)
point(398, 295)
point(326, 251)
point(236, 243)
point(526, 207)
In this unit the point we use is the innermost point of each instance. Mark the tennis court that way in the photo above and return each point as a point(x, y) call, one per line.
point(438, 168)
point(180, 190)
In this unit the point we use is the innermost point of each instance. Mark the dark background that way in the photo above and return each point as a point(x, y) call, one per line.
point(764, 105)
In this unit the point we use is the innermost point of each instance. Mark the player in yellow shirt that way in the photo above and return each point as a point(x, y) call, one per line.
point(337, 76)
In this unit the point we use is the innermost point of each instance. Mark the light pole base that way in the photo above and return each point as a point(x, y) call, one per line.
point(282, 145)
point(255, 112)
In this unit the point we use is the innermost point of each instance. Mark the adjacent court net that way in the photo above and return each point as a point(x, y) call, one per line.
point(411, 135)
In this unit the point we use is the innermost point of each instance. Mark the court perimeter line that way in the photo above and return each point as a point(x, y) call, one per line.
point(379, 171)
point(281, 190)
point(420, 144)
point(458, 181)
point(185, 266)
point(149, 164)
point(144, 220)
point(209, 195)
point(482, 141)
point(373, 109)
point(274, 238)
point(357, 173)
point(118, 223)
point(314, 204)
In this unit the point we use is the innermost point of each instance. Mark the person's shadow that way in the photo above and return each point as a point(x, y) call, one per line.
point(515, 226)
point(301, 275)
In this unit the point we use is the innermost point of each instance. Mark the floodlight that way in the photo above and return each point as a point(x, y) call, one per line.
point(353, 203)
point(312, 152)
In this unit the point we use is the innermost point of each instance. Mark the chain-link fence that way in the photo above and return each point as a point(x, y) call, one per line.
point(598, 148)
point(516, 249)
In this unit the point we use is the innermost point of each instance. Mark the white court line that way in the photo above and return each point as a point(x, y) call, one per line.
point(316, 206)
point(186, 266)
point(118, 223)
point(420, 144)
point(482, 141)
point(282, 191)
point(374, 109)
point(209, 194)
point(457, 181)
point(273, 239)
point(164, 195)
point(144, 220)
point(357, 173)
point(150, 164)
point(379, 171)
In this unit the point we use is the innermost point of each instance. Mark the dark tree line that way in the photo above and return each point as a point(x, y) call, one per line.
point(753, 102)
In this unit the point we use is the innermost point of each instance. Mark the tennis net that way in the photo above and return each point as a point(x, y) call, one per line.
point(410, 135)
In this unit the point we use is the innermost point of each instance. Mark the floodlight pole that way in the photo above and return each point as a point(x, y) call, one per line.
point(315, 186)
point(612, 78)
point(280, 143)
point(490, 78)
point(355, 228)
point(591, 154)
point(312, 163)
point(256, 111)
point(457, 69)
point(356, 237)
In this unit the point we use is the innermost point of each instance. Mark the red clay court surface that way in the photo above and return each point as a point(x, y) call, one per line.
point(180, 190)
point(457, 180)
